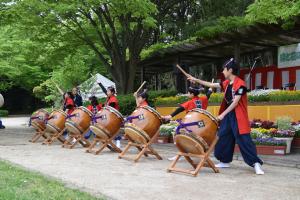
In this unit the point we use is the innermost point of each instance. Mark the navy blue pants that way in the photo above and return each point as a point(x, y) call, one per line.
point(1, 125)
point(228, 136)
point(89, 134)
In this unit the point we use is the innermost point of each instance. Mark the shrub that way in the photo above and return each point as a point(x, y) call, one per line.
point(284, 95)
point(3, 113)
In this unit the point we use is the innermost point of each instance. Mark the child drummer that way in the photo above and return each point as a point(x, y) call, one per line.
point(111, 101)
point(233, 107)
point(194, 102)
point(94, 107)
point(141, 98)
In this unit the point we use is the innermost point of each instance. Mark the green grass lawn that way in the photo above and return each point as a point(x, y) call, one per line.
point(19, 184)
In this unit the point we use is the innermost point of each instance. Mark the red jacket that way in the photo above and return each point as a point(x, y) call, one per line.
point(191, 104)
point(144, 104)
point(69, 103)
point(91, 108)
point(113, 99)
point(241, 111)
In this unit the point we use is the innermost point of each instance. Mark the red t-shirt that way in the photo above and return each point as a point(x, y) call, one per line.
point(94, 109)
point(145, 103)
point(113, 99)
point(69, 103)
point(196, 102)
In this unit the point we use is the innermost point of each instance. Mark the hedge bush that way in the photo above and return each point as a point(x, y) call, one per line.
point(3, 113)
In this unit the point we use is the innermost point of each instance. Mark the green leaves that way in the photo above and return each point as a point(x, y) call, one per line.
point(273, 11)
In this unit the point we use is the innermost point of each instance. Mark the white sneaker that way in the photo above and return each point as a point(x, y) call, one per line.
point(73, 141)
point(174, 157)
point(258, 169)
point(223, 165)
point(118, 143)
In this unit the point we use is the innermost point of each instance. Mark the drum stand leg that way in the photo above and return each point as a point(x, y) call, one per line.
point(144, 149)
point(138, 147)
point(90, 149)
point(37, 136)
point(121, 155)
point(105, 143)
point(54, 137)
point(205, 161)
point(79, 138)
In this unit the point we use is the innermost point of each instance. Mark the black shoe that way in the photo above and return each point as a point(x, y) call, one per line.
point(2, 127)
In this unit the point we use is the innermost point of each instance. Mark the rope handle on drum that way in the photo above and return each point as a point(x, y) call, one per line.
point(31, 118)
point(94, 118)
point(130, 118)
point(185, 125)
point(39, 117)
point(71, 116)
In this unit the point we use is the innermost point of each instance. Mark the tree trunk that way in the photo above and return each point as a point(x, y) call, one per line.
point(125, 82)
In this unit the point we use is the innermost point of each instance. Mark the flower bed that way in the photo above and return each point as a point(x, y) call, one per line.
point(283, 131)
point(254, 96)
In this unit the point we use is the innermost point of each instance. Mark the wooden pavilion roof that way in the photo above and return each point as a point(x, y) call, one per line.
point(253, 38)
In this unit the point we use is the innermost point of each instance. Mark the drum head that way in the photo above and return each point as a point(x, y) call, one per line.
point(38, 126)
point(153, 111)
point(116, 112)
point(86, 110)
point(60, 111)
point(52, 128)
point(73, 128)
point(188, 144)
point(205, 112)
point(1, 100)
point(100, 131)
point(136, 134)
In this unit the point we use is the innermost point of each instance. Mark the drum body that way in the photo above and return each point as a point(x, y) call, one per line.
point(108, 122)
point(79, 120)
point(38, 119)
point(56, 122)
point(202, 132)
point(145, 124)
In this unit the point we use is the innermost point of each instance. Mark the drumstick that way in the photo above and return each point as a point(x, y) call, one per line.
point(186, 74)
point(58, 88)
point(141, 87)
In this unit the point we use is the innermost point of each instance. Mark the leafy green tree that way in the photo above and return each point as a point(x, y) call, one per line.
point(115, 30)
point(274, 11)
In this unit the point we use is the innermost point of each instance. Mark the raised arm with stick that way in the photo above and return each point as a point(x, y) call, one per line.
point(58, 88)
point(137, 101)
point(137, 91)
point(184, 72)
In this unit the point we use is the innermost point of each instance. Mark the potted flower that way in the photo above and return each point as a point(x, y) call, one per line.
point(285, 132)
point(166, 132)
point(265, 144)
point(268, 146)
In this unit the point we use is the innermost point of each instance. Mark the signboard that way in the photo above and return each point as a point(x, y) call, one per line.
point(289, 56)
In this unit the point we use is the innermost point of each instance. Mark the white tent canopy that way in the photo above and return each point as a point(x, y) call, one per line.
point(90, 87)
